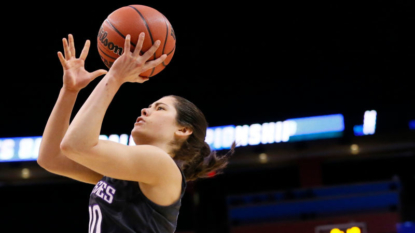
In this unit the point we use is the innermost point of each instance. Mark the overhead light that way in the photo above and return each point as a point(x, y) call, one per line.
point(263, 158)
point(25, 173)
point(354, 149)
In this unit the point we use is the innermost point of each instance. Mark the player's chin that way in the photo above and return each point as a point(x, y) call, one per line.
point(137, 131)
point(135, 135)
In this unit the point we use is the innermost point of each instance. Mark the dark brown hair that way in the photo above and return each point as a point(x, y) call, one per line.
point(195, 156)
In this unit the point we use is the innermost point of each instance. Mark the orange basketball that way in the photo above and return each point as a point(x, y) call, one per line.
point(133, 20)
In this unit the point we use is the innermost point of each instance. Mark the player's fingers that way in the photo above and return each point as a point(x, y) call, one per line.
point(85, 50)
point(97, 73)
point(71, 45)
point(144, 79)
point(154, 63)
point(62, 60)
point(151, 51)
point(139, 45)
point(127, 43)
point(65, 48)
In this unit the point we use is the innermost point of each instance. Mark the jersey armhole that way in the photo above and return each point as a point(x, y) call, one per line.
point(182, 191)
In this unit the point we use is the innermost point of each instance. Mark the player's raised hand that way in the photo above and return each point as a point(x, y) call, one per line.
point(75, 77)
point(129, 66)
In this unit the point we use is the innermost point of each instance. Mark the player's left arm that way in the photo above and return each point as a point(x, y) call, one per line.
point(141, 163)
point(81, 142)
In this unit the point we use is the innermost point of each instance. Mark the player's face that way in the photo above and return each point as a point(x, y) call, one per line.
point(157, 123)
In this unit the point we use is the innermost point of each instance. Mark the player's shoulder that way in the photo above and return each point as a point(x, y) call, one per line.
point(157, 152)
point(167, 164)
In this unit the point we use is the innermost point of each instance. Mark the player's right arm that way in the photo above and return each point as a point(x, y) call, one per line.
point(50, 155)
point(74, 79)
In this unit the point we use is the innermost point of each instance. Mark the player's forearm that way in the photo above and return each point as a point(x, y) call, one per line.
point(83, 133)
point(56, 127)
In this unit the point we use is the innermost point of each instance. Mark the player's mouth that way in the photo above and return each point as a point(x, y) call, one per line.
point(140, 120)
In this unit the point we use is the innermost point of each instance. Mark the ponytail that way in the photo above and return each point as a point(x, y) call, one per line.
point(194, 156)
point(206, 162)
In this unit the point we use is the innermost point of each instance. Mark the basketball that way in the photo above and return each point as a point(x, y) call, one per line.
point(133, 20)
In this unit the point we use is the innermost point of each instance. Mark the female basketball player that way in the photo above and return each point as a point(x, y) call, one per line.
point(137, 188)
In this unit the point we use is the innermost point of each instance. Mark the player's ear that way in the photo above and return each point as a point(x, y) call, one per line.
point(183, 132)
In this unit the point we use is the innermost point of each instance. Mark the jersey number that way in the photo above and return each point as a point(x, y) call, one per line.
point(95, 219)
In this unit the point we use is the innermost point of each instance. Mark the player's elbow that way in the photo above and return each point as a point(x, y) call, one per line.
point(46, 159)
point(72, 149)
point(68, 148)
point(45, 165)
point(72, 144)
point(41, 162)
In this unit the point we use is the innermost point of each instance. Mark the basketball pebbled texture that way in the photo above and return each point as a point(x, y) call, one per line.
point(133, 20)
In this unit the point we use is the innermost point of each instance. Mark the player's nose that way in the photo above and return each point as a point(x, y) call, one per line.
point(144, 112)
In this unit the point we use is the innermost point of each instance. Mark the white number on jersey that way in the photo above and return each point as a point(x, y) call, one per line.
point(95, 219)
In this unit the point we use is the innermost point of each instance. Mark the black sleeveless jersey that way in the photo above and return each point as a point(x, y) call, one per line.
point(119, 206)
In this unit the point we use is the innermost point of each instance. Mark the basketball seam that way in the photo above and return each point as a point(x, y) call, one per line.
point(106, 54)
point(168, 55)
point(172, 50)
point(149, 32)
point(122, 35)
point(116, 30)
point(167, 36)
point(164, 64)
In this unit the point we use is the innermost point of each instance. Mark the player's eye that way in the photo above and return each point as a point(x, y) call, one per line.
point(160, 108)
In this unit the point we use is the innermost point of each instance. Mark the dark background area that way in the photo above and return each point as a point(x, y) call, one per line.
point(240, 63)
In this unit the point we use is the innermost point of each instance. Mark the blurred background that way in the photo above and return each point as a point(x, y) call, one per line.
point(319, 95)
